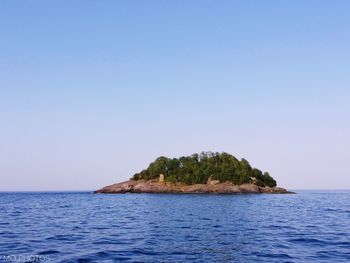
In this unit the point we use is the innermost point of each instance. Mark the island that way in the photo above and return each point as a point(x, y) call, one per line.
point(206, 172)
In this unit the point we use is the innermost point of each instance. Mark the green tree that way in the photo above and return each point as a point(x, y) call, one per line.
point(197, 168)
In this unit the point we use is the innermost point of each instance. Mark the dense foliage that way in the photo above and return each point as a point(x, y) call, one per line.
point(198, 168)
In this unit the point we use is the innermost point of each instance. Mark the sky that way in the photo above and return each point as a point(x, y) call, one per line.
point(92, 91)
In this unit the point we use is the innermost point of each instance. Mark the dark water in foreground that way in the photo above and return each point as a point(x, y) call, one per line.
point(311, 226)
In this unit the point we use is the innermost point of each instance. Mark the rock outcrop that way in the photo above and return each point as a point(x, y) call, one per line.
point(159, 186)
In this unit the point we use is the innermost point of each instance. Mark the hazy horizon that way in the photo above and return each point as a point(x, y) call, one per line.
point(92, 92)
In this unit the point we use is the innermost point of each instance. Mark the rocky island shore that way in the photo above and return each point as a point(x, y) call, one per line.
point(206, 172)
point(156, 186)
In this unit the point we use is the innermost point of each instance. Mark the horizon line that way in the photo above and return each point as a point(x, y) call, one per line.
point(85, 190)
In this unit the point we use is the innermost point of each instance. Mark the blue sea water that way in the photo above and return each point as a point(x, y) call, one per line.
point(311, 226)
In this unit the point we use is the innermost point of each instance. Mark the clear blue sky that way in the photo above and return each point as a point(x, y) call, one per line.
point(92, 91)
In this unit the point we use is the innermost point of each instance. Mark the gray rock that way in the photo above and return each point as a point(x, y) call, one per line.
point(155, 186)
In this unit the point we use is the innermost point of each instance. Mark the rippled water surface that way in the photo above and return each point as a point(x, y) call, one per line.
point(311, 226)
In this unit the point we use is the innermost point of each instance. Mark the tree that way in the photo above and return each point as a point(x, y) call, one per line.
point(268, 180)
point(197, 168)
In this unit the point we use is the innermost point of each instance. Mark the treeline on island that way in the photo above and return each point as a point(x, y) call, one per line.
point(198, 168)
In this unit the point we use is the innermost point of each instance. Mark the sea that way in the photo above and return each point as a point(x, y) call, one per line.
point(309, 226)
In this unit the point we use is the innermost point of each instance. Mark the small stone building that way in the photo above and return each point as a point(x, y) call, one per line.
point(212, 182)
point(161, 178)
